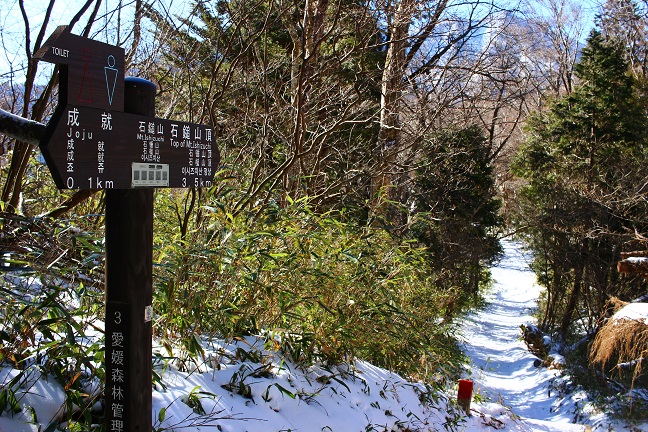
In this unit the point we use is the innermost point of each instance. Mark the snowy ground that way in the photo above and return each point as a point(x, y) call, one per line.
point(502, 367)
point(240, 386)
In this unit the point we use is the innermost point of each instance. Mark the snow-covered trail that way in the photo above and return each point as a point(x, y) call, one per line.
point(502, 367)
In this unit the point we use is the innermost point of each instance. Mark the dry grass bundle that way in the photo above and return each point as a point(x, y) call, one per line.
point(623, 343)
point(614, 304)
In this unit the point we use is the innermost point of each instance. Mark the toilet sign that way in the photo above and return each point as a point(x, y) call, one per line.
point(91, 143)
point(92, 72)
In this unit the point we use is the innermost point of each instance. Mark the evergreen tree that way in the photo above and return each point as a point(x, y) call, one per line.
point(456, 208)
point(585, 162)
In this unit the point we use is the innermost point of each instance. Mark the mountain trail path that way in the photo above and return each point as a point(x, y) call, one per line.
point(501, 366)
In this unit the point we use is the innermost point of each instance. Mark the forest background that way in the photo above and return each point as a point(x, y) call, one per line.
point(374, 153)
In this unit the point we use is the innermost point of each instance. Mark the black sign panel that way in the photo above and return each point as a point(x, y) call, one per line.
point(90, 148)
point(90, 143)
point(92, 72)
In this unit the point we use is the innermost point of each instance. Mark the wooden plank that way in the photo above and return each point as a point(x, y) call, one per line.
point(90, 148)
point(634, 254)
point(92, 72)
point(633, 266)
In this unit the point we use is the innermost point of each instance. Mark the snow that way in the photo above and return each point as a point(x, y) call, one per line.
point(266, 392)
point(632, 311)
point(502, 367)
point(318, 398)
point(638, 260)
point(45, 395)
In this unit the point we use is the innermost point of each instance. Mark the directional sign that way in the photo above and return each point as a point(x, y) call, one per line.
point(92, 72)
point(90, 148)
point(90, 143)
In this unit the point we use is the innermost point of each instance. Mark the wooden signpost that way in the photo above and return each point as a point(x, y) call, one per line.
point(92, 143)
point(104, 135)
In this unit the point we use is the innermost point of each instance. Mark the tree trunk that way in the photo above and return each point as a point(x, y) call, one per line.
point(573, 299)
point(552, 298)
point(305, 53)
point(390, 99)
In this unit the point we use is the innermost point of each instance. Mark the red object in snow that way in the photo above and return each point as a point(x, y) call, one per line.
point(464, 396)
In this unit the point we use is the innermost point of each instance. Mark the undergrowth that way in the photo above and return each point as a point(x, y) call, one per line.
point(51, 294)
point(332, 290)
point(612, 386)
point(320, 288)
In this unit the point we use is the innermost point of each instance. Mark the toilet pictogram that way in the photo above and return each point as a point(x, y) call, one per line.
point(85, 91)
point(91, 72)
point(111, 73)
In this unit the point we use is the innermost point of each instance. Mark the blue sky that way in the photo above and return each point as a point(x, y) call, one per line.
point(12, 39)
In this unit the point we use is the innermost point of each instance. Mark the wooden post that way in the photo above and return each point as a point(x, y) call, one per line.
point(129, 287)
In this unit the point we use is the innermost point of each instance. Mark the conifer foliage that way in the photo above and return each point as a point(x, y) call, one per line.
point(585, 163)
point(457, 211)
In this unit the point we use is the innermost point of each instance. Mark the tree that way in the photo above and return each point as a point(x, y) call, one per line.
point(292, 84)
point(456, 213)
point(627, 21)
point(585, 163)
point(557, 35)
point(419, 37)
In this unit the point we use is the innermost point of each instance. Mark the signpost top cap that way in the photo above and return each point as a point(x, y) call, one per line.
point(137, 82)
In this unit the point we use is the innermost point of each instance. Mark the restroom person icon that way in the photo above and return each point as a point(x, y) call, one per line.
point(111, 73)
point(85, 90)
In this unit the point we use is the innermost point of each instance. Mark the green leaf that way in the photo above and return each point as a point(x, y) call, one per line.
point(162, 414)
point(286, 391)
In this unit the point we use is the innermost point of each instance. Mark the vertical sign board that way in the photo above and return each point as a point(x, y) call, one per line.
point(103, 135)
point(117, 361)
